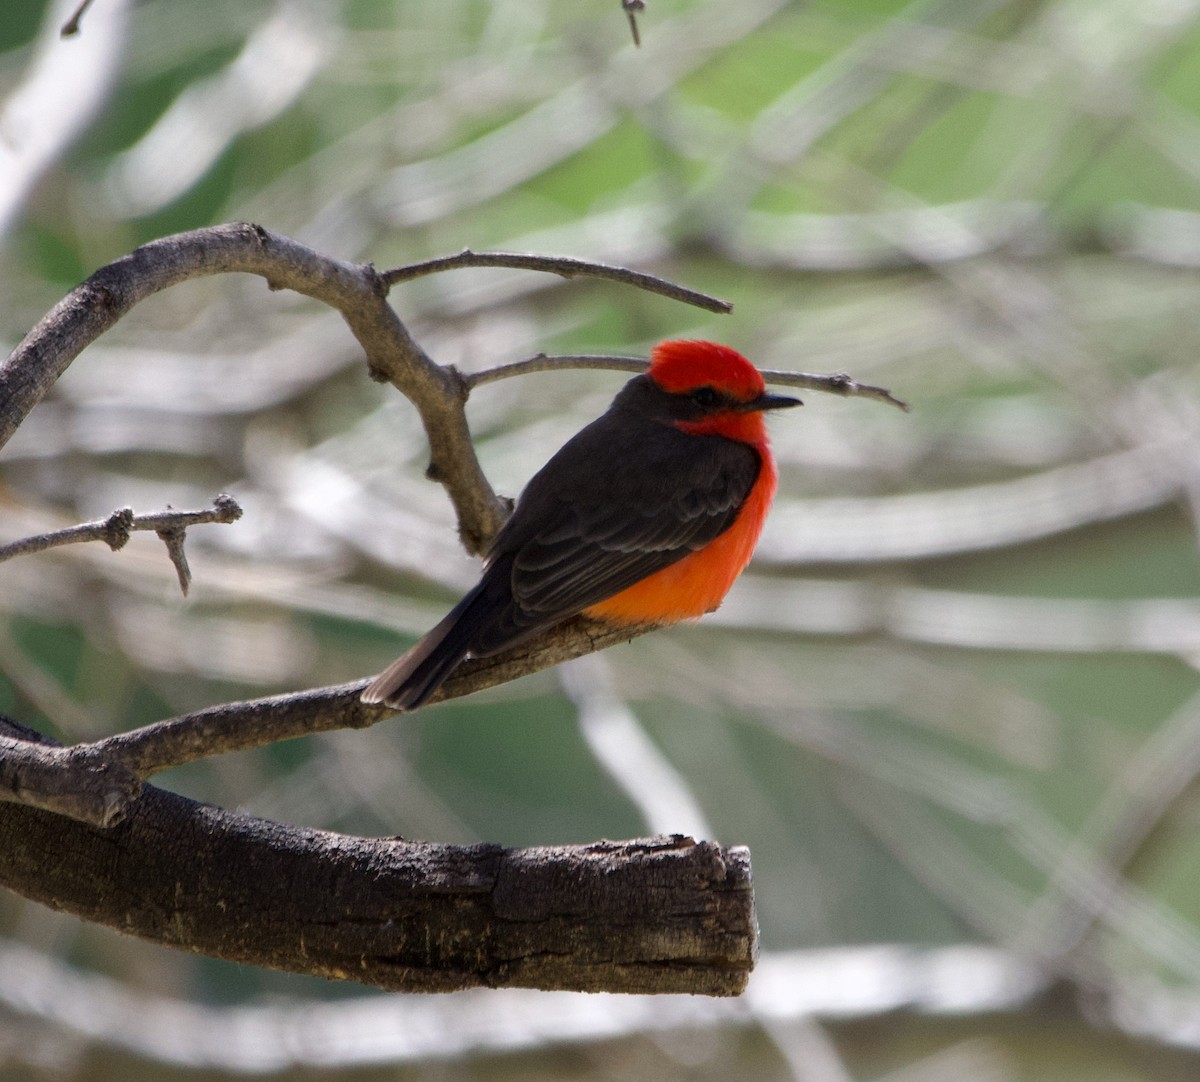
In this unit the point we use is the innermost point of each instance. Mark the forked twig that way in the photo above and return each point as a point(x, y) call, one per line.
point(170, 525)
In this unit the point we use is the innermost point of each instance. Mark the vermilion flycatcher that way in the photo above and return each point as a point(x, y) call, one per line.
point(645, 516)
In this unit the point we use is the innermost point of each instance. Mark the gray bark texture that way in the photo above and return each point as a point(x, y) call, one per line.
point(664, 914)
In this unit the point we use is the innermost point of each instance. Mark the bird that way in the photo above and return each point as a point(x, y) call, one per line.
point(645, 516)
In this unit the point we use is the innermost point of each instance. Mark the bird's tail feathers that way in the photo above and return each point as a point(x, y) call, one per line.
point(414, 676)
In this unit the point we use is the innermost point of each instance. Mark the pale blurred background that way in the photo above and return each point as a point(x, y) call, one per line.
point(954, 710)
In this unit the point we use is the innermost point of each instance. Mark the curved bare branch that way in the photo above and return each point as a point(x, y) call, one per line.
point(564, 267)
point(354, 289)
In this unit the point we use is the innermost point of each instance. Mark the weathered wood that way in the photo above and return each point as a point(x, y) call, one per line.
point(663, 914)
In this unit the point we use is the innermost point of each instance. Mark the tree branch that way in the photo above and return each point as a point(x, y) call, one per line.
point(439, 393)
point(632, 8)
point(839, 383)
point(97, 782)
point(237, 726)
point(659, 915)
point(355, 290)
point(542, 362)
point(654, 915)
point(170, 525)
point(76, 782)
point(564, 266)
point(71, 27)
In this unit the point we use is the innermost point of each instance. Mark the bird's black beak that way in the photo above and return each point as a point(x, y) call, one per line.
point(771, 402)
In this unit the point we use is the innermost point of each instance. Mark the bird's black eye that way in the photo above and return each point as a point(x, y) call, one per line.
point(704, 396)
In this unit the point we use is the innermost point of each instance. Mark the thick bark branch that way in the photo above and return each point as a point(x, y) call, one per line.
point(76, 782)
point(654, 915)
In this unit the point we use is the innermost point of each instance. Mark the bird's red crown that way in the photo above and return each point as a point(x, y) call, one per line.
point(685, 365)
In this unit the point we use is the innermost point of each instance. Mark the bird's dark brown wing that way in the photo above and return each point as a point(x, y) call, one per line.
point(616, 504)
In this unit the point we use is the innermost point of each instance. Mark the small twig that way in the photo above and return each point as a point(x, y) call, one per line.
point(71, 27)
point(173, 537)
point(225, 509)
point(255, 723)
point(114, 531)
point(839, 384)
point(543, 362)
point(564, 266)
point(632, 7)
point(115, 765)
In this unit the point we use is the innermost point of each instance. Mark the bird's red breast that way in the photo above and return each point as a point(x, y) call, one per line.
point(698, 583)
